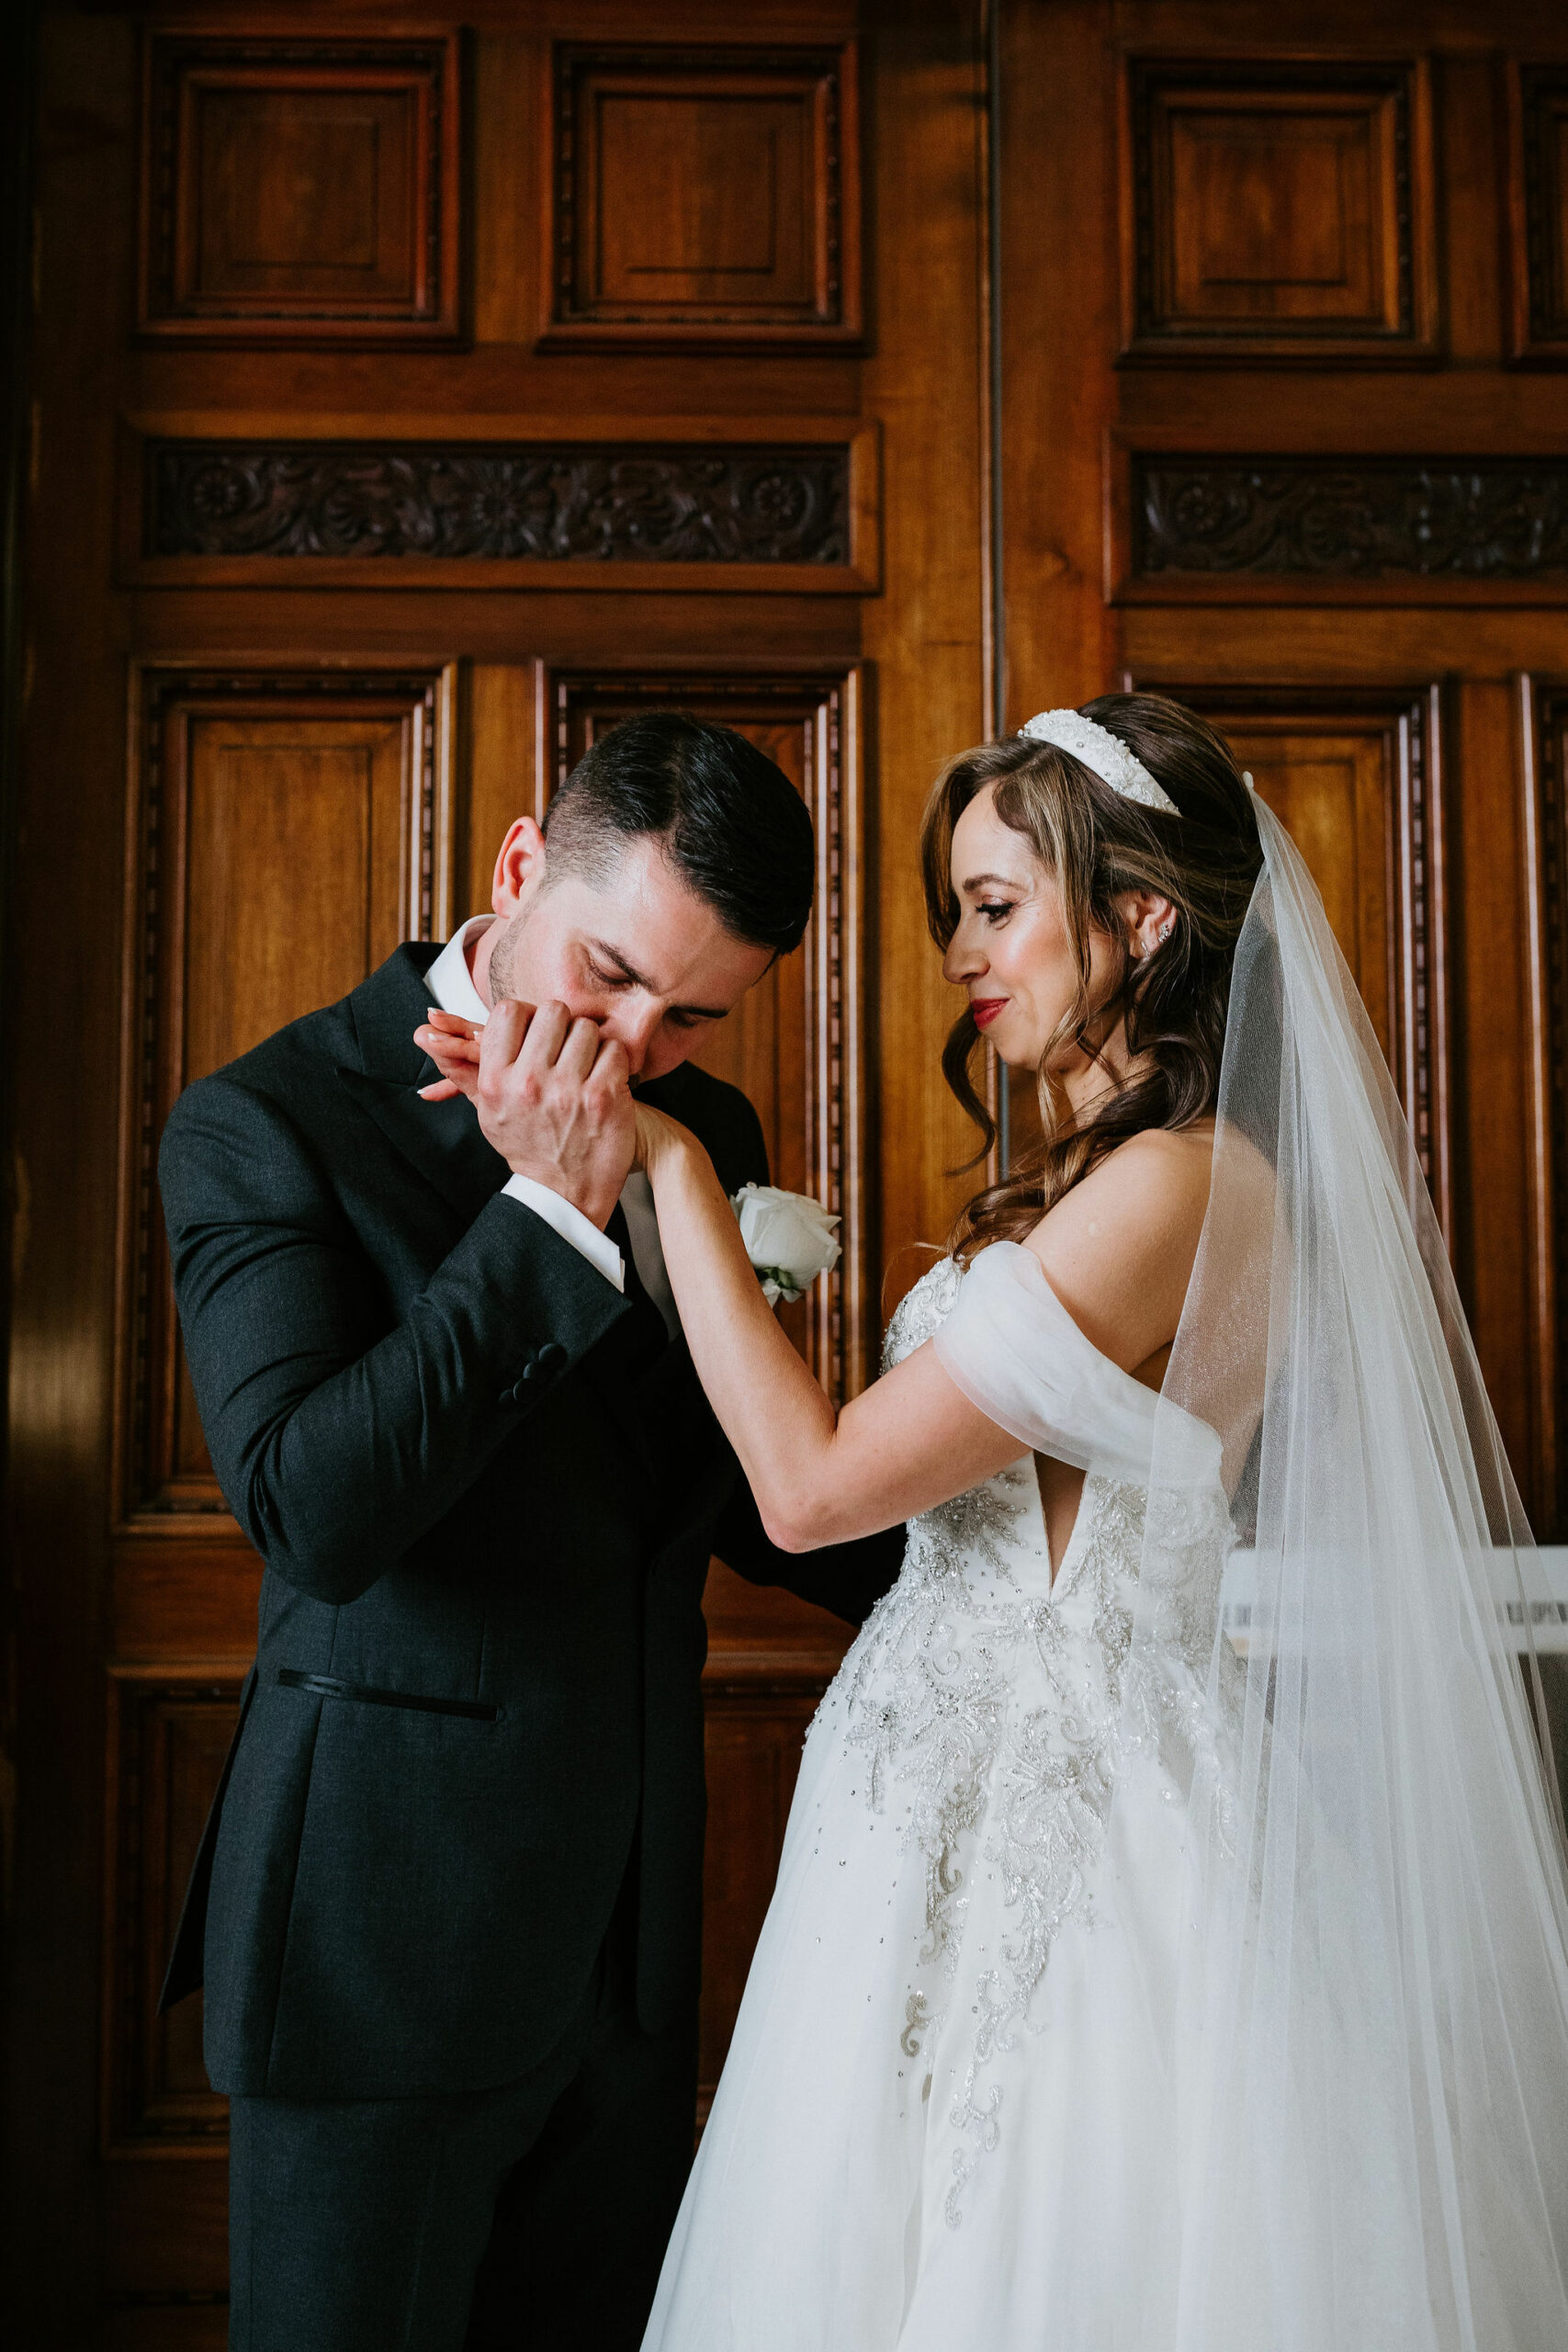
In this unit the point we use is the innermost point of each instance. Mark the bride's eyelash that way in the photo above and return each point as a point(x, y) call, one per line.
point(994, 910)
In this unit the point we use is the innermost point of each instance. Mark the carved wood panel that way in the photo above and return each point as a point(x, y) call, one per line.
point(287, 829)
point(703, 196)
point(1277, 209)
point(795, 1043)
point(779, 506)
point(168, 1734)
point(753, 1739)
point(1543, 774)
point(1356, 775)
point(299, 189)
point(1538, 211)
point(1190, 526)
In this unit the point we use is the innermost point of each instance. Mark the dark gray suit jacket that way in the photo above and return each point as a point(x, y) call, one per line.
point(486, 1487)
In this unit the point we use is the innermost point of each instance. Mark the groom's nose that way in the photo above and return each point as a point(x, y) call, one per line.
point(633, 1026)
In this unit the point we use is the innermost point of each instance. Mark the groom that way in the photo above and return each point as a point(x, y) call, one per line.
point(448, 1901)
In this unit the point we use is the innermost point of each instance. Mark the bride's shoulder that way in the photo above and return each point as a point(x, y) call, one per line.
point(1118, 1248)
point(1158, 1174)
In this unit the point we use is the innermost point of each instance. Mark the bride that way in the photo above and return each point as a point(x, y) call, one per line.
point(1121, 1993)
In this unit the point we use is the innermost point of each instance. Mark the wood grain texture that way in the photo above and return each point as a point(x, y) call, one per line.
point(1276, 209)
point(702, 197)
point(285, 831)
point(925, 382)
point(299, 189)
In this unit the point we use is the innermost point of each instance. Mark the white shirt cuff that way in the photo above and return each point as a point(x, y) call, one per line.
point(572, 1224)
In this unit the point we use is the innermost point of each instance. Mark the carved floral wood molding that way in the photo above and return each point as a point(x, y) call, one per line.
point(1347, 517)
point(741, 504)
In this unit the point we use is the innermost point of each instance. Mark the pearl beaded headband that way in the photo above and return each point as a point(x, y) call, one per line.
point(1109, 758)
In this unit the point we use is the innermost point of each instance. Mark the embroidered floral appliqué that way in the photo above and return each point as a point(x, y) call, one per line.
point(992, 1716)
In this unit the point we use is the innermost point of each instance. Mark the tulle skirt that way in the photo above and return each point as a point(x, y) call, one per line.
point(869, 2179)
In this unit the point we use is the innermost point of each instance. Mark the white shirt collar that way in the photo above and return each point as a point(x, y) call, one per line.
point(449, 981)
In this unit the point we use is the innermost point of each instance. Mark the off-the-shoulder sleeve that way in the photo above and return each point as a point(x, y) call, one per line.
point(1015, 1352)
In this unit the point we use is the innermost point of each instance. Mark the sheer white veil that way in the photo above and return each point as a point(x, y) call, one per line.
point(1373, 2012)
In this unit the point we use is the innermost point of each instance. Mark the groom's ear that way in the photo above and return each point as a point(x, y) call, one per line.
point(519, 869)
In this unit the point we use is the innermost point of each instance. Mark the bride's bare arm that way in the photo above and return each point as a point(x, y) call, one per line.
point(1120, 1264)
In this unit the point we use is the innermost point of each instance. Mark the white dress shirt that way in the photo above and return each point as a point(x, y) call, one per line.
point(451, 986)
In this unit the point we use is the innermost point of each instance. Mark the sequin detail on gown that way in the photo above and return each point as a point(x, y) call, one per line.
point(986, 1702)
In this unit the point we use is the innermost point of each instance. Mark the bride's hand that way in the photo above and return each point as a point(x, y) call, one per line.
point(453, 1045)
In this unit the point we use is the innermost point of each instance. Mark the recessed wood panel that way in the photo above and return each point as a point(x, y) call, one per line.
point(702, 196)
point(300, 190)
point(1276, 211)
point(753, 1742)
point(795, 1043)
point(1538, 211)
point(168, 1737)
point(287, 830)
point(1354, 775)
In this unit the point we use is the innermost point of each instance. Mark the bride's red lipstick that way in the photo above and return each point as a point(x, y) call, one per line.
point(986, 1009)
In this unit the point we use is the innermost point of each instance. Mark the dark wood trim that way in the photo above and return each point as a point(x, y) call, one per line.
point(1540, 707)
point(133, 2122)
point(1537, 308)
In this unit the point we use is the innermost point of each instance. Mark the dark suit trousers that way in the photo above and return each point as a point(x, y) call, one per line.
point(530, 2217)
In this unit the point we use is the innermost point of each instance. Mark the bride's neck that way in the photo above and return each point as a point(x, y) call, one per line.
point(1091, 1079)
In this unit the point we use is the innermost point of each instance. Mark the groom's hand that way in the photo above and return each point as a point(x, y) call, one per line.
point(554, 1099)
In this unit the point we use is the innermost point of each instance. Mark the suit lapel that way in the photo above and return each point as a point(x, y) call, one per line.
point(442, 1140)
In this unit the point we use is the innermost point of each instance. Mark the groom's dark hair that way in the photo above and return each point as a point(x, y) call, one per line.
point(731, 823)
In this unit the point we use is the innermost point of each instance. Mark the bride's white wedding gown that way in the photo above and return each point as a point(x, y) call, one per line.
point(1118, 1996)
point(947, 2119)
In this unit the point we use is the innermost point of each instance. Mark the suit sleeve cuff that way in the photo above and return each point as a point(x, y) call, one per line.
point(572, 1224)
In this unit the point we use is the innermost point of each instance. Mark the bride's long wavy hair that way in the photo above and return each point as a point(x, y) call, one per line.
point(1097, 844)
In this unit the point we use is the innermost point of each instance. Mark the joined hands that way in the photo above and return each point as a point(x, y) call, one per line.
point(553, 1096)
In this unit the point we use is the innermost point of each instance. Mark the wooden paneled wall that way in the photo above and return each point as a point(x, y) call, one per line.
point(412, 402)
point(412, 399)
point(1303, 466)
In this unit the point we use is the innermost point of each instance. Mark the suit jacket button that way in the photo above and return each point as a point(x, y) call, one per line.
point(552, 1356)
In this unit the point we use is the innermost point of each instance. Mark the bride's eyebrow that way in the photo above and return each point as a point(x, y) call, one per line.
point(1001, 881)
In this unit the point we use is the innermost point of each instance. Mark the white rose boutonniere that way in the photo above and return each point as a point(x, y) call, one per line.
point(789, 1239)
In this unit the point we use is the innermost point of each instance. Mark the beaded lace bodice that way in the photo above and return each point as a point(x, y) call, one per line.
point(987, 1707)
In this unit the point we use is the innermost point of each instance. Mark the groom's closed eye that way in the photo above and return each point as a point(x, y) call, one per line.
point(608, 968)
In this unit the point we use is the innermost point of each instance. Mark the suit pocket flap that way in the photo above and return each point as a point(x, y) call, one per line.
point(328, 1686)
